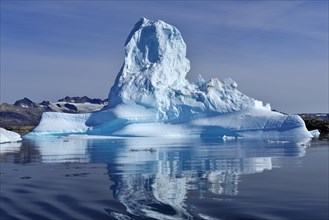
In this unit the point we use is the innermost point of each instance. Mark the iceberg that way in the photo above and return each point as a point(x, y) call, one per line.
point(8, 136)
point(151, 97)
point(315, 133)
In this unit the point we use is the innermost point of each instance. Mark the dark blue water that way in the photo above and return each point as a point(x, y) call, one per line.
point(150, 178)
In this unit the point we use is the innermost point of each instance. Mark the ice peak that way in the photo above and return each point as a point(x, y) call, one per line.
point(155, 59)
point(137, 26)
point(153, 75)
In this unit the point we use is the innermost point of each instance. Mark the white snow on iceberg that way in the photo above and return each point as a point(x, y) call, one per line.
point(152, 97)
point(8, 136)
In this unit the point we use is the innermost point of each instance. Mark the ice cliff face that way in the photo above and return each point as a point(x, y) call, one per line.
point(151, 97)
point(155, 63)
point(154, 71)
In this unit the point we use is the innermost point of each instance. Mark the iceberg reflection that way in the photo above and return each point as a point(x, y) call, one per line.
point(158, 178)
point(62, 149)
point(10, 147)
point(155, 181)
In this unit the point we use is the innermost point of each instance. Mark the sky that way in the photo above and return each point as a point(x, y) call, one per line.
point(277, 51)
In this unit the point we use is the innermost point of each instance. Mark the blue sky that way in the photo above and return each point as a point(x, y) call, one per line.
point(277, 51)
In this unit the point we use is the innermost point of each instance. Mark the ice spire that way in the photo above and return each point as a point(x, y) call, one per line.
point(155, 60)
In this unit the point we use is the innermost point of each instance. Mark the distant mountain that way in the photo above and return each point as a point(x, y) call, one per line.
point(25, 112)
point(83, 99)
point(26, 103)
point(20, 115)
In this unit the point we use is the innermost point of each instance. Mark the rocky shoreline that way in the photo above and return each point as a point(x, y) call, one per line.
point(319, 122)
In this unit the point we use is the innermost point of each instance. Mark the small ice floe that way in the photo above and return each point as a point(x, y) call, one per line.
point(303, 144)
point(277, 142)
point(228, 138)
point(315, 133)
point(151, 149)
point(9, 136)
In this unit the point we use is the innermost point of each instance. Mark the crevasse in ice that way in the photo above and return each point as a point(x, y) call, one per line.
point(152, 97)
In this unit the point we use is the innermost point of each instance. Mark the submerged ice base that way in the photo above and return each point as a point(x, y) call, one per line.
point(247, 124)
point(152, 97)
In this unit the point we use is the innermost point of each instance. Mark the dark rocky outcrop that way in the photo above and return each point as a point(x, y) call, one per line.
point(71, 107)
point(317, 121)
point(83, 99)
point(45, 103)
point(26, 103)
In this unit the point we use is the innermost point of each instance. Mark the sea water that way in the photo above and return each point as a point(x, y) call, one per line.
point(79, 177)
